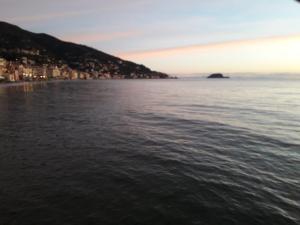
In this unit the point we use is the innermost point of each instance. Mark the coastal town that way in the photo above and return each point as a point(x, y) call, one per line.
point(25, 69)
point(27, 56)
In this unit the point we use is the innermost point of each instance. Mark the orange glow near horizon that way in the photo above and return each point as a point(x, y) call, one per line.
point(268, 54)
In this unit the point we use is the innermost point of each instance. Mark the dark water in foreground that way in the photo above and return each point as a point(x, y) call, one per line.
point(150, 153)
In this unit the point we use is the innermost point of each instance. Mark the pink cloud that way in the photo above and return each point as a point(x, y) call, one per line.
point(203, 47)
point(98, 37)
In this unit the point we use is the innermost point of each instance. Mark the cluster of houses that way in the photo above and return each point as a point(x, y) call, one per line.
point(22, 70)
point(27, 70)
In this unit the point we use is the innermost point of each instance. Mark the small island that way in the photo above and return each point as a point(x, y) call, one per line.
point(217, 76)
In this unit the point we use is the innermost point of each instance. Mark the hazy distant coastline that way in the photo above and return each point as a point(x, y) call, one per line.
point(244, 76)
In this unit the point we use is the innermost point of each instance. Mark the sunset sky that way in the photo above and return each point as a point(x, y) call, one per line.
point(174, 36)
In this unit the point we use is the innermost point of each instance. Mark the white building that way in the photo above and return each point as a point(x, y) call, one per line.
point(56, 72)
point(2, 62)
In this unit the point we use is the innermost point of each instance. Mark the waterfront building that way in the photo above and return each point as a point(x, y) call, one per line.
point(2, 70)
point(27, 73)
point(2, 62)
point(82, 76)
point(56, 72)
point(74, 75)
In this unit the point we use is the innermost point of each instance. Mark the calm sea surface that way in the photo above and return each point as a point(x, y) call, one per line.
point(150, 152)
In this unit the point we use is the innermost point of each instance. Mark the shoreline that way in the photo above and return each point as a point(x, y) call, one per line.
point(19, 83)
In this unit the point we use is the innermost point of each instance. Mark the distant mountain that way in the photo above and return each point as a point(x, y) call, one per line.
point(16, 43)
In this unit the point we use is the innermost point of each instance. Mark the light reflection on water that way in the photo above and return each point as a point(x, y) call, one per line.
point(150, 152)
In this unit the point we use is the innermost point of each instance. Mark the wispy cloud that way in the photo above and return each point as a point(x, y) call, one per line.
point(49, 16)
point(99, 37)
point(204, 47)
